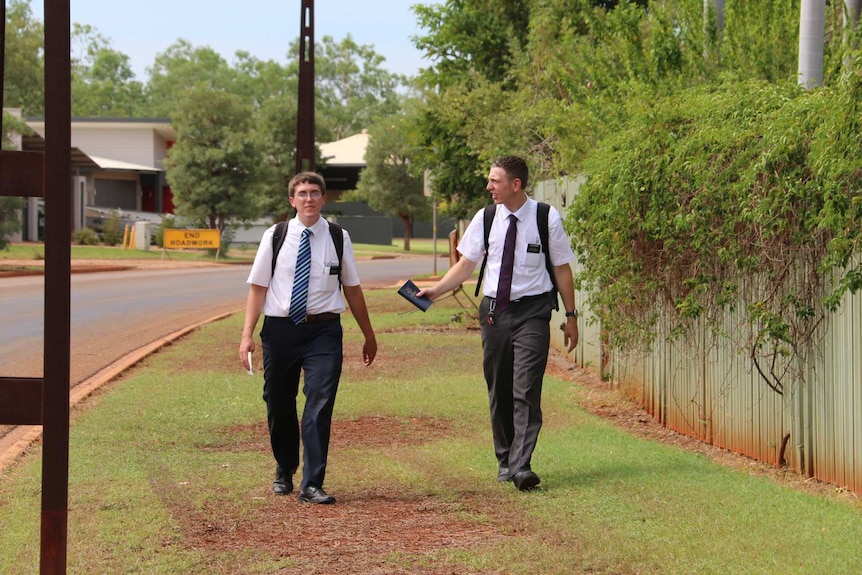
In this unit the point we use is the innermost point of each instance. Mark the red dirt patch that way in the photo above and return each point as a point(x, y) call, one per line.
point(375, 531)
point(368, 532)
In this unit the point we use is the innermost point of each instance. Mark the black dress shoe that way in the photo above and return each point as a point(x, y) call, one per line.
point(283, 483)
point(526, 480)
point(314, 494)
point(503, 475)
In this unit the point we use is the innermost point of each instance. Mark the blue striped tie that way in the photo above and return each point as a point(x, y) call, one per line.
point(299, 297)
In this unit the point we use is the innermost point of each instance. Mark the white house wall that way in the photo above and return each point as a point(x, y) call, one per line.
point(135, 146)
point(130, 143)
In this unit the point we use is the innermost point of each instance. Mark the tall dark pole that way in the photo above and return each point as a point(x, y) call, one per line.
point(305, 120)
point(58, 252)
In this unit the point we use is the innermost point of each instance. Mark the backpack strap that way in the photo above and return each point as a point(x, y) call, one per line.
point(277, 241)
point(542, 212)
point(335, 231)
point(490, 211)
point(337, 234)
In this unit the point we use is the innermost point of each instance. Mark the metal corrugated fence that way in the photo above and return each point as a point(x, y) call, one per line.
point(707, 387)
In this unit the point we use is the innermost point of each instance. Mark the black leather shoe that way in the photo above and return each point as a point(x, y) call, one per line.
point(526, 480)
point(503, 475)
point(283, 483)
point(314, 494)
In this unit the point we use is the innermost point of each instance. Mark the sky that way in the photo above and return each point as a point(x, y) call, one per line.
point(263, 28)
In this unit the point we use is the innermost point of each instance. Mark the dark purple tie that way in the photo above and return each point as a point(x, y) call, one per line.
point(507, 264)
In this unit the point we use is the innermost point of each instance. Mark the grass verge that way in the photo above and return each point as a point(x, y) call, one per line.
point(238, 253)
point(170, 473)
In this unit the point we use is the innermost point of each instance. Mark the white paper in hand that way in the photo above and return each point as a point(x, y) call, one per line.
point(250, 366)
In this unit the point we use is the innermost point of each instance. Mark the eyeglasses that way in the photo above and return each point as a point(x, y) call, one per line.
point(314, 195)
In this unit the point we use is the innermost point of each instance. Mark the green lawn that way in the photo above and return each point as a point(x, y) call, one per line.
point(235, 253)
point(170, 474)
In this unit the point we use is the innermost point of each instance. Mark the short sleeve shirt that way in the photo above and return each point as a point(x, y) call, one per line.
point(324, 293)
point(530, 276)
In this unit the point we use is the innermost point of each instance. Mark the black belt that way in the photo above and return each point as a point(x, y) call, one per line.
point(526, 298)
point(329, 316)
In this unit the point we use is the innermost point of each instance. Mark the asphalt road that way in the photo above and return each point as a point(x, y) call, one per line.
point(114, 313)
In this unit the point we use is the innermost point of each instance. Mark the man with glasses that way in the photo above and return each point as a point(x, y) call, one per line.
point(300, 298)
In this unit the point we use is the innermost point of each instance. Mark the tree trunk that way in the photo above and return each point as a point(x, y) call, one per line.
point(812, 32)
point(408, 231)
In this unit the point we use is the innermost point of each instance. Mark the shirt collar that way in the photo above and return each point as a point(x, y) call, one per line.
point(319, 226)
point(522, 212)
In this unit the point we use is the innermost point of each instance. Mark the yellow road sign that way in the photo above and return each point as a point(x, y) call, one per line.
point(191, 239)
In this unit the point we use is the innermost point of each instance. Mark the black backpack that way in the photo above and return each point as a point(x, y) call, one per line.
point(542, 211)
point(335, 231)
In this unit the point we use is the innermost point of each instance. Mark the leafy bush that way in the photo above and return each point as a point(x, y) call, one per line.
point(85, 237)
point(168, 223)
point(112, 230)
point(10, 218)
point(746, 196)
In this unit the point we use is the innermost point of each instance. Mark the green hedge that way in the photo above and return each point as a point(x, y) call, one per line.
point(737, 193)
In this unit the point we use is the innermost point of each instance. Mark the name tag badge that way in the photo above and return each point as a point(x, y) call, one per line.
point(534, 248)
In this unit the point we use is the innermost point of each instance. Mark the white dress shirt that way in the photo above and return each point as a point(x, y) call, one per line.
point(529, 277)
point(324, 294)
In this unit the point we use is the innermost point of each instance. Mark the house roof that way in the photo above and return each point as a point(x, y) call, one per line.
point(79, 159)
point(161, 126)
point(347, 152)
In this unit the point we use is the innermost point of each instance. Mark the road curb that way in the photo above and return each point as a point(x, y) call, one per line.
point(83, 270)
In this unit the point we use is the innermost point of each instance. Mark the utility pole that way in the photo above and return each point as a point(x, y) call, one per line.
point(305, 107)
point(718, 7)
point(812, 35)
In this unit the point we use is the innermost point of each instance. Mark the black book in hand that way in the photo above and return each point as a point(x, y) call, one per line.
point(409, 290)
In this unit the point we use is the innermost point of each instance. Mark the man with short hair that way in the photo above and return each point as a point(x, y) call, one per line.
point(300, 297)
point(516, 311)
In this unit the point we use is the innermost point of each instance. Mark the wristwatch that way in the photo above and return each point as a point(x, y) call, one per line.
point(573, 313)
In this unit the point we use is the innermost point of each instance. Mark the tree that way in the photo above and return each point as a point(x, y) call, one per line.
point(10, 208)
point(471, 43)
point(387, 183)
point(10, 218)
point(24, 76)
point(275, 123)
point(271, 91)
point(215, 166)
point(464, 36)
point(260, 81)
point(180, 66)
point(353, 90)
point(103, 84)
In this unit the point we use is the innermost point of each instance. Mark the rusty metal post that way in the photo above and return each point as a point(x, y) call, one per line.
point(305, 107)
point(2, 63)
point(58, 253)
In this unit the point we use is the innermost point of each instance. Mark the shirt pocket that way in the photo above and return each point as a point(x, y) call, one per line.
point(328, 280)
point(534, 258)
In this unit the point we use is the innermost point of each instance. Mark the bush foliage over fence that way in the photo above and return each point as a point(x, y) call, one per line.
point(719, 197)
